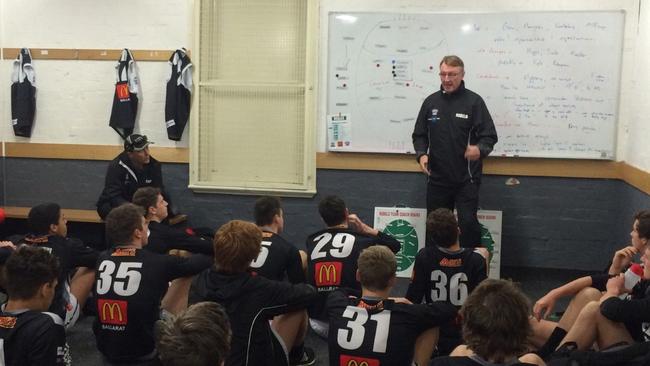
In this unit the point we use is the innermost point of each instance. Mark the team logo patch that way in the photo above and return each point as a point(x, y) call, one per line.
point(7, 322)
point(346, 360)
point(124, 252)
point(112, 311)
point(445, 262)
point(434, 112)
point(328, 273)
point(122, 91)
point(462, 115)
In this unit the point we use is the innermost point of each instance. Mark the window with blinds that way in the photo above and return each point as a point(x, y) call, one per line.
point(253, 113)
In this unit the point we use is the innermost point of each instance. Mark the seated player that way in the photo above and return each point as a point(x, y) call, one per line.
point(199, 336)
point(495, 328)
point(278, 259)
point(613, 321)
point(48, 229)
point(377, 330)
point(332, 254)
point(130, 283)
point(30, 336)
point(547, 334)
point(132, 169)
point(251, 301)
point(446, 272)
point(163, 238)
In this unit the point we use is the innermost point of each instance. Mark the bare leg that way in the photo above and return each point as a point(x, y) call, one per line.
point(424, 345)
point(291, 327)
point(541, 331)
point(175, 299)
point(532, 358)
point(582, 298)
point(591, 326)
point(303, 260)
point(81, 284)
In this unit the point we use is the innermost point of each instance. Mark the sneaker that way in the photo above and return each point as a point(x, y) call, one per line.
point(308, 358)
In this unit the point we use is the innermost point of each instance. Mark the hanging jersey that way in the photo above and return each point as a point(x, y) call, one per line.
point(32, 338)
point(373, 332)
point(278, 259)
point(333, 255)
point(71, 253)
point(125, 100)
point(179, 94)
point(130, 284)
point(23, 94)
point(443, 275)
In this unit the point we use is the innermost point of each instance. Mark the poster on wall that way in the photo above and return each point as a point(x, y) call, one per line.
point(491, 238)
point(339, 136)
point(408, 226)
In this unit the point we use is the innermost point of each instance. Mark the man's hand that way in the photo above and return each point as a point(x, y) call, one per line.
point(424, 164)
point(360, 226)
point(472, 153)
point(401, 300)
point(544, 305)
point(622, 258)
point(616, 285)
point(7, 243)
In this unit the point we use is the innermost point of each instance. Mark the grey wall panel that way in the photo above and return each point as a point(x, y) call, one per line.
point(547, 222)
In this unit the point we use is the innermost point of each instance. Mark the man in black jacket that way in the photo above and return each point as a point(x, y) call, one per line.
point(453, 133)
point(251, 301)
point(132, 169)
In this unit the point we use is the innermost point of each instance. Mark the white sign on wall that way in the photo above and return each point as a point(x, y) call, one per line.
point(408, 225)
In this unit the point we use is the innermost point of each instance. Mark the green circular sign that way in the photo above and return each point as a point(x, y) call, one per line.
point(405, 233)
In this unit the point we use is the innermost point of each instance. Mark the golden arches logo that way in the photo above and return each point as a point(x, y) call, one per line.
point(112, 311)
point(355, 363)
point(329, 271)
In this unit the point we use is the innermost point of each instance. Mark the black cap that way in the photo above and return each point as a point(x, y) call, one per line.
point(136, 142)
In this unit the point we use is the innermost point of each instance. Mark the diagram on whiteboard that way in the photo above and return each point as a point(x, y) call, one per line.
point(550, 88)
point(386, 74)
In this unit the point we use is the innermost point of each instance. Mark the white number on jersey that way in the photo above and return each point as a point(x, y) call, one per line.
point(352, 338)
point(454, 290)
point(261, 258)
point(342, 243)
point(127, 278)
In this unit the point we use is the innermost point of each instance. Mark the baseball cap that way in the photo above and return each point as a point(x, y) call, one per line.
point(136, 142)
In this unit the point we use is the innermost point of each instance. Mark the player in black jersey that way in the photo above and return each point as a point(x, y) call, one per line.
point(48, 229)
point(376, 330)
point(29, 336)
point(332, 254)
point(251, 301)
point(495, 328)
point(278, 259)
point(446, 272)
point(130, 283)
point(162, 237)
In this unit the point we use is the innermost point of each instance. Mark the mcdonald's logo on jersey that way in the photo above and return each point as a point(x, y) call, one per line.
point(122, 91)
point(345, 360)
point(112, 311)
point(328, 273)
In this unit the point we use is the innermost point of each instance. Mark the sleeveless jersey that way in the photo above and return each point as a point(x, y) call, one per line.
point(23, 94)
point(179, 94)
point(125, 100)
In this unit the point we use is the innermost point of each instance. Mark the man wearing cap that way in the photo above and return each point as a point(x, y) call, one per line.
point(132, 169)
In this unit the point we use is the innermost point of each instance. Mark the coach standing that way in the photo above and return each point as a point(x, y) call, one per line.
point(453, 133)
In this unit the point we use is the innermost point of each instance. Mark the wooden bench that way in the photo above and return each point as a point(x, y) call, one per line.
point(71, 214)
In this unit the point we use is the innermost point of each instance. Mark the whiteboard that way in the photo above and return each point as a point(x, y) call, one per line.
point(551, 80)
